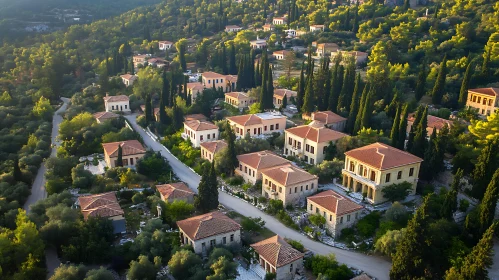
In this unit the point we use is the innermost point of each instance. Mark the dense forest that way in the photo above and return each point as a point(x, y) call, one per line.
point(427, 55)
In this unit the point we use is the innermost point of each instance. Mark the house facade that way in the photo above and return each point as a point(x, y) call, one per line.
point(279, 21)
point(258, 44)
point(433, 123)
point(485, 100)
point(330, 120)
point(128, 79)
point(212, 79)
point(131, 151)
point(324, 49)
point(194, 89)
point(275, 255)
point(339, 211)
point(257, 124)
point(279, 96)
point(210, 149)
point(175, 191)
point(251, 165)
point(239, 100)
point(360, 57)
point(370, 168)
point(316, 27)
point(101, 117)
point(206, 231)
point(288, 184)
point(280, 55)
point(232, 28)
point(103, 205)
point(165, 45)
point(140, 59)
point(117, 103)
point(309, 142)
point(200, 131)
point(268, 27)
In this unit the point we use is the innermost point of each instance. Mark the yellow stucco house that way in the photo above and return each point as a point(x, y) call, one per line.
point(485, 100)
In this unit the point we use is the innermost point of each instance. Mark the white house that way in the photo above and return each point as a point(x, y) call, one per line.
point(258, 44)
point(279, 20)
point(200, 131)
point(128, 79)
point(165, 45)
point(120, 103)
point(232, 28)
point(316, 27)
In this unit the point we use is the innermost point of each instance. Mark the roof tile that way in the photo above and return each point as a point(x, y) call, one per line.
point(335, 202)
point(277, 251)
point(382, 156)
point(207, 225)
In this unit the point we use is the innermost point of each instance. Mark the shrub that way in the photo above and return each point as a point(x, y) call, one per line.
point(275, 206)
point(235, 180)
point(463, 205)
point(296, 244)
point(252, 224)
point(329, 267)
point(286, 219)
point(262, 199)
point(367, 226)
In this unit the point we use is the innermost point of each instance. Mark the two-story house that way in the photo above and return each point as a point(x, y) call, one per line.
point(200, 131)
point(239, 100)
point(370, 168)
point(330, 120)
point(140, 59)
point(257, 124)
point(175, 191)
point(288, 183)
point(251, 165)
point(279, 96)
point(104, 205)
point(280, 55)
point(268, 27)
point(324, 49)
point(117, 103)
point(128, 79)
point(194, 89)
point(165, 45)
point(485, 100)
point(339, 211)
point(275, 255)
point(206, 231)
point(279, 20)
point(432, 123)
point(258, 44)
point(359, 57)
point(131, 152)
point(309, 142)
point(210, 149)
point(215, 80)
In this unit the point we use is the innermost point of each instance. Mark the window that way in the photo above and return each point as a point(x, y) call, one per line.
point(209, 81)
point(296, 189)
point(306, 187)
point(213, 242)
point(291, 268)
point(306, 158)
point(266, 181)
point(341, 220)
point(307, 147)
point(411, 172)
point(373, 176)
point(232, 238)
point(208, 136)
point(312, 161)
point(311, 206)
point(131, 161)
point(301, 188)
point(241, 167)
point(213, 135)
point(348, 218)
point(330, 218)
point(312, 150)
point(289, 191)
point(126, 106)
point(399, 175)
point(312, 186)
point(280, 189)
point(324, 150)
point(474, 98)
point(271, 127)
point(112, 107)
point(265, 129)
point(352, 166)
point(387, 178)
point(479, 99)
point(290, 141)
point(224, 240)
point(245, 169)
point(201, 137)
point(277, 126)
point(317, 210)
point(254, 130)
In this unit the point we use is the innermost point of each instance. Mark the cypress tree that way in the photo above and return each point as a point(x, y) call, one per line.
point(439, 87)
point(367, 111)
point(488, 205)
point(403, 128)
point(358, 118)
point(163, 117)
point(431, 158)
point(201, 201)
point(241, 77)
point(420, 142)
point(421, 84)
point(308, 100)
point(301, 88)
point(485, 65)
point(270, 91)
point(476, 263)
point(391, 109)
point(258, 75)
point(463, 92)
point(251, 67)
point(178, 117)
point(231, 148)
point(263, 91)
point(354, 105)
point(132, 67)
point(485, 168)
point(347, 20)
point(407, 5)
point(17, 174)
point(394, 135)
point(409, 259)
point(148, 110)
point(355, 26)
point(119, 161)
point(232, 67)
point(284, 101)
point(213, 187)
point(347, 88)
point(449, 205)
point(125, 65)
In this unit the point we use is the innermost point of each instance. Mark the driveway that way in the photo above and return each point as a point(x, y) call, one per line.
point(372, 265)
point(38, 188)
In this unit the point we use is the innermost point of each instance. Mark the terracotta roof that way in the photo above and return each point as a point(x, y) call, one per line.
point(116, 98)
point(246, 119)
point(198, 125)
point(487, 91)
point(335, 202)
point(317, 25)
point(129, 147)
point(433, 122)
point(276, 251)
point(207, 225)
point(192, 117)
point(363, 276)
point(283, 52)
point(129, 77)
point(382, 156)
point(100, 205)
point(232, 26)
point(231, 78)
point(166, 42)
point(288, 175)
point(195, 86)
point(237, 95)
point(214, 146)
point(280, 92)
point(212, 75)
point(328, 45)
point(327, 117)
point(316, 134)
point(262, 160)
point(105, 115)
point(174, 190)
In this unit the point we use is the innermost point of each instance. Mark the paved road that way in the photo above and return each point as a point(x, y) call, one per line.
point(375, 266)
point(38, 188)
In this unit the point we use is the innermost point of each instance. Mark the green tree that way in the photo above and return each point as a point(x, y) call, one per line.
point(300, 94)
point(223, 269)
point(317, 220)
point(181, 47)
point(207, 198)
point(396, 192)
point(69, 272)
point(412, 250)
point(232, 60)
point(394, 135)
point(465, 84)
point(142, 269)
point(185, 264)
point(387, 244)
point(439, 87)
point(43, 109)
point(367, 111)
point(449, 205)
point(178, 210)
point(420, 141)
point(165, 97)
point(119, 161)
point(485, 167)
point(489, 202)
point(354, 104)
point(403, 128)
point(358, 119)
point(99, 274)
point(421, 84)
point(308, 100)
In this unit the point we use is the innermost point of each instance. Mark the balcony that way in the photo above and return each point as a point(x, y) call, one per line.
point(359, 178)
point(184, 136)
point(296, 149)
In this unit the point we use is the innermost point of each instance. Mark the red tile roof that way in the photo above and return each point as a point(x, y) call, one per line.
point(281, 92)
point(195, 86)
point(212, 75)
point(231, 78)
point(129, 77)
point(262, 160)
point(129, 147)
point(487, 91)
point(116, 98)
point(277, 251)
point(288, 175)
point(245, 120)
point(214, 146)
point(237, 95)
point(207, 225)
point(105, 115)
point(327, 117)
point(174, 190)
point(335, 202)
point(382, 156)
point(433, 122)
point(316, 134)
point(100, 205)
point(166, 42)
point(192, 117)
point(198, 125)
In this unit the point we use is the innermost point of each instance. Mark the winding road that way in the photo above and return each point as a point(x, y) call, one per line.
point(372, 265)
